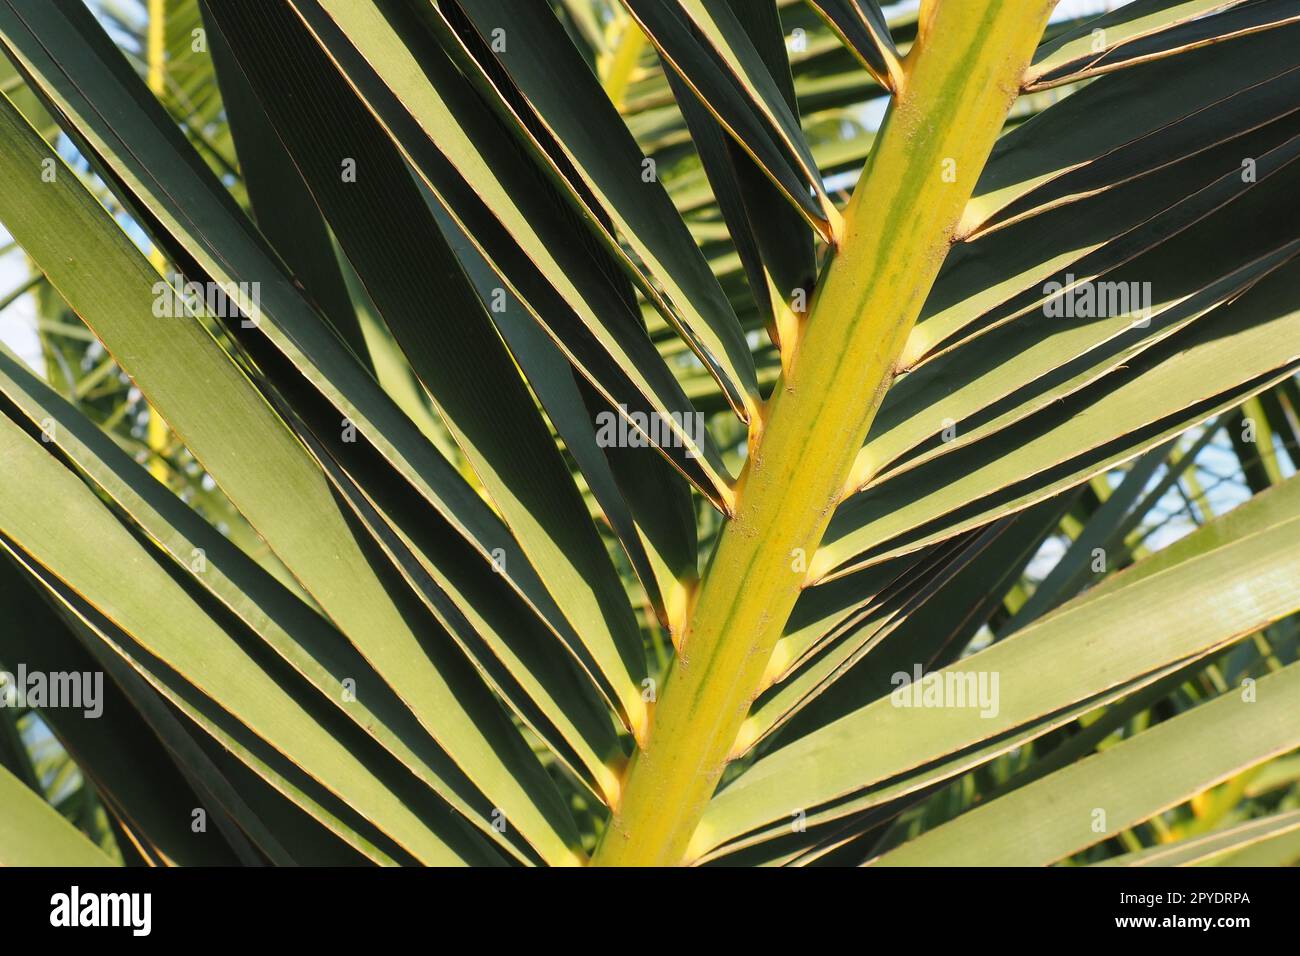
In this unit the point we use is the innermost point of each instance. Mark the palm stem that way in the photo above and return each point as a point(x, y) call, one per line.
point(960, 79)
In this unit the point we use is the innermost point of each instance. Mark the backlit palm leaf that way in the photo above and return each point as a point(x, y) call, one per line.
point(622, 398)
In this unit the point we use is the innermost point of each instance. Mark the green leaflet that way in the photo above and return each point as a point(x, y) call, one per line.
point(936, 610)
point(862, 27)
point(32, 833)
point(1137, 35)
point(494, 197)
point(583, 123)
point(1049, 819)
point(116, 749)
point(1228, 583)
point(1159, 104)
point(774, 248)
point(328, 380)
point(297, 633)
point(281, 203)
point(704, 41)
point(409, 272)
point(136, 593)
point(260, 465)
point(1214, 846)
point(1120, 416)
point(646, 504)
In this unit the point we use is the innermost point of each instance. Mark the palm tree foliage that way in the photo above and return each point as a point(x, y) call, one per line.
point(368, 584)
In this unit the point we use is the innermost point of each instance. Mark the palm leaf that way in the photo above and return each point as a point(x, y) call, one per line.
point(621, 399)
